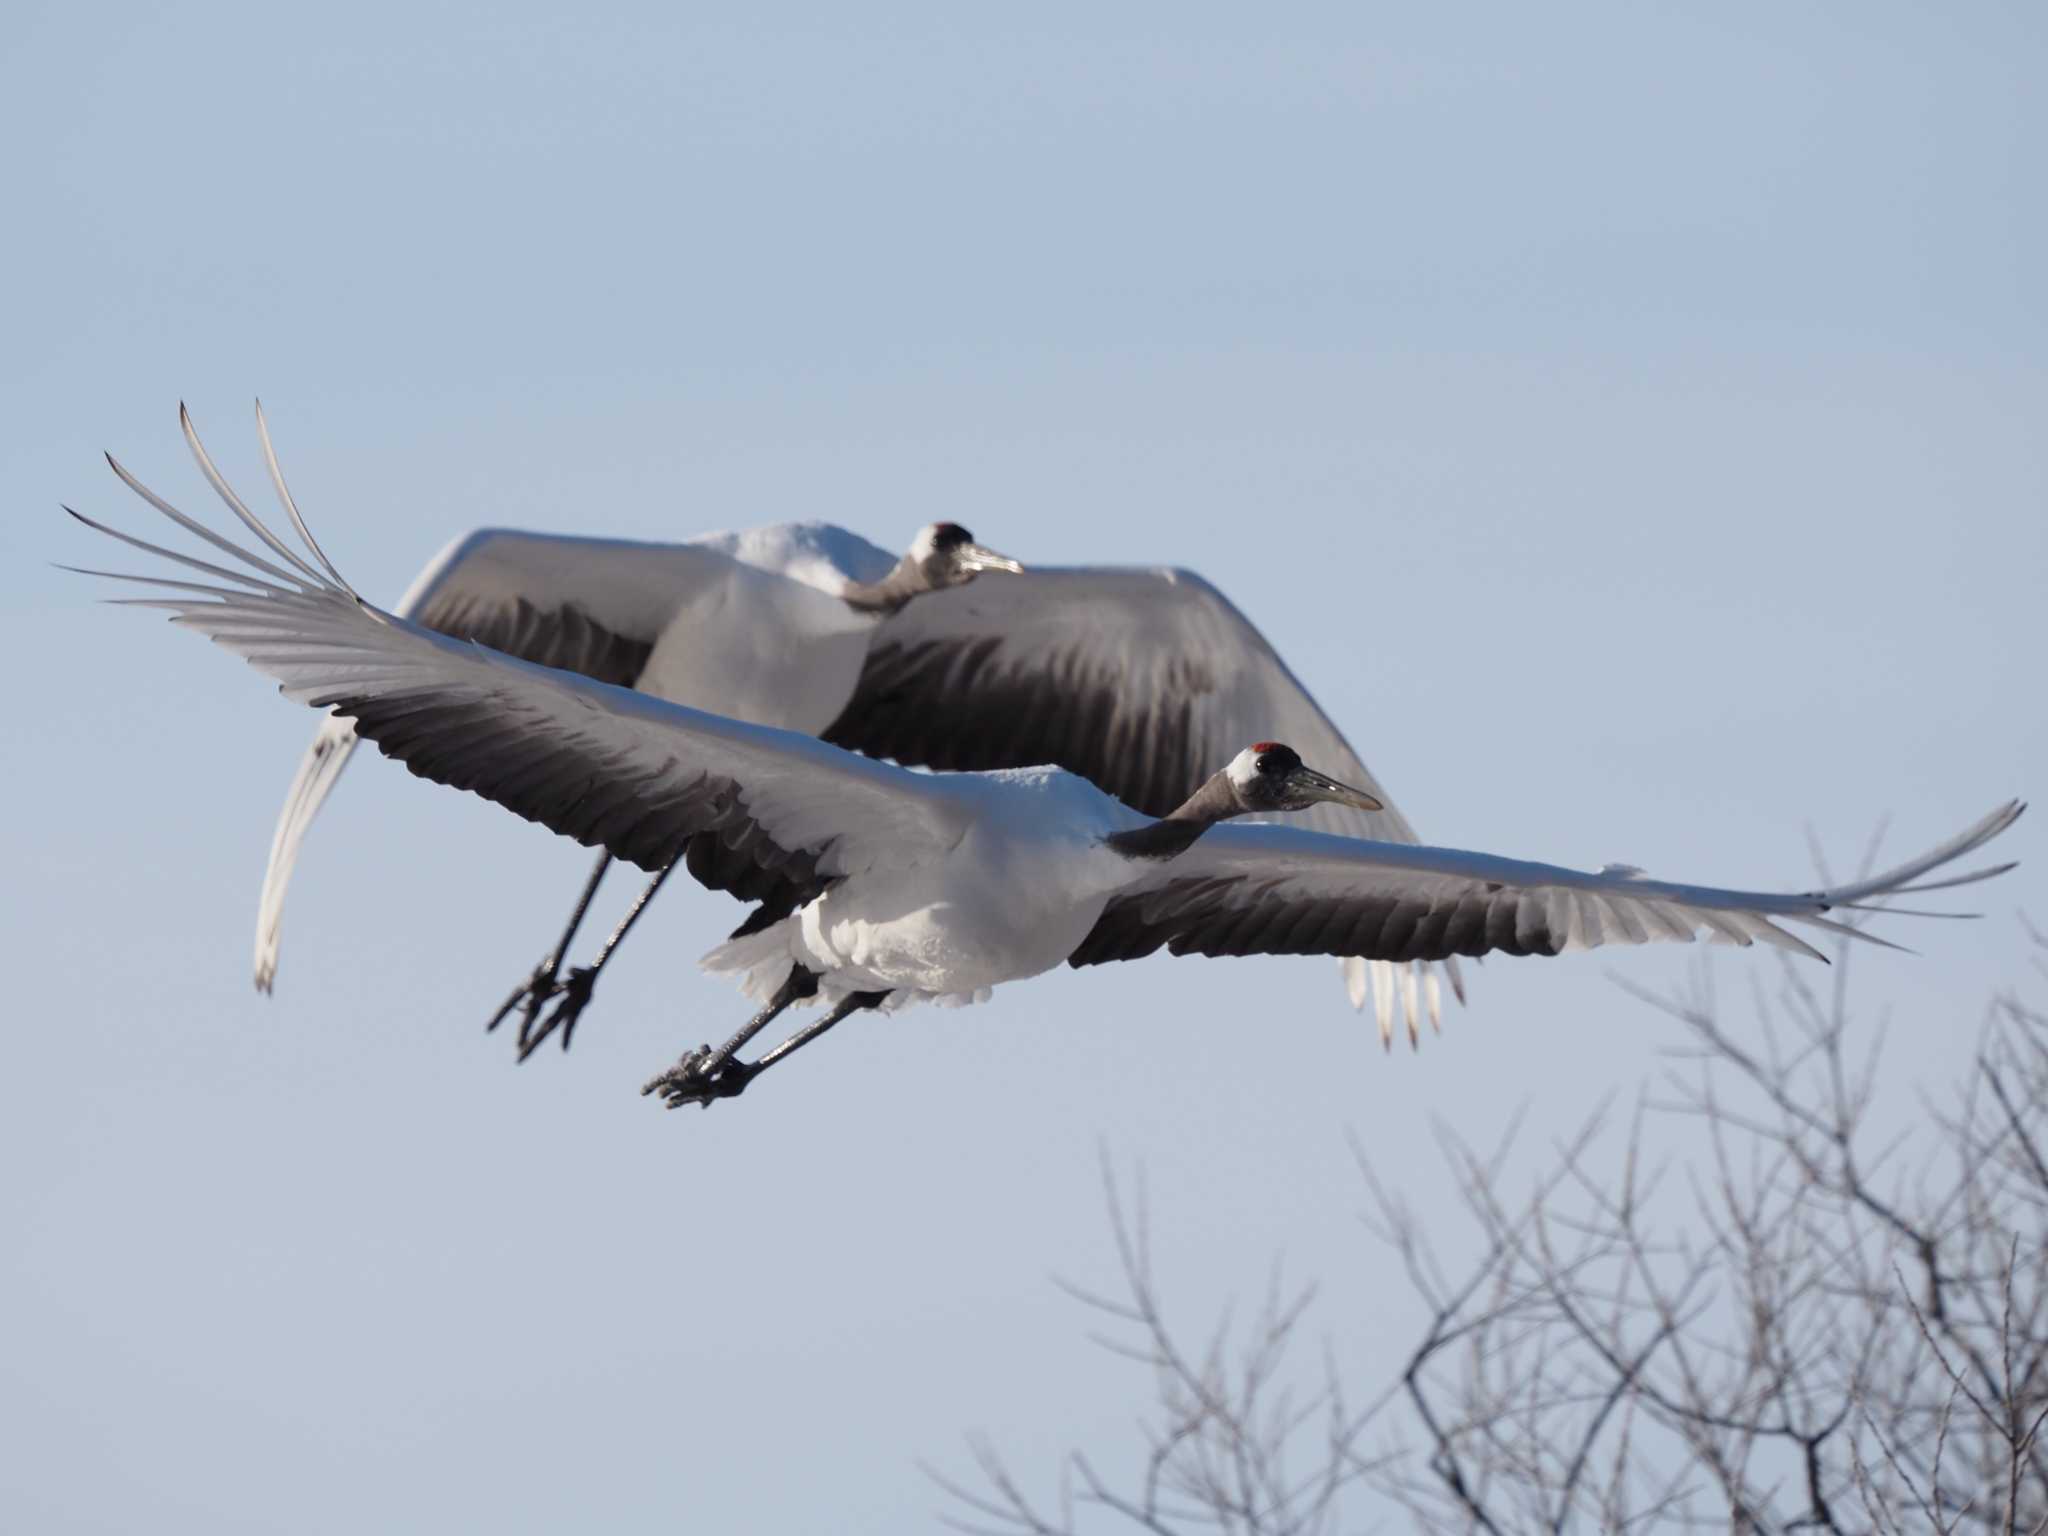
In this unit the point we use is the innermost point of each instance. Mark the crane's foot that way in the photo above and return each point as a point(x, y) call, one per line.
point(528, 998)
point(699, 1078)
point(573, 996)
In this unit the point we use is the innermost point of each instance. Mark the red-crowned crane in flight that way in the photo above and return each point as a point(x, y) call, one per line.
point(886, 886)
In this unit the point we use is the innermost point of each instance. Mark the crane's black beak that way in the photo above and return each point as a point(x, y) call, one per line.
point(1312, 786)
point(978, 557)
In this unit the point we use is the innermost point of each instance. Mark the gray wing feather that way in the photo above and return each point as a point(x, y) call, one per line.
point(1143, 681)
point(1247, 890)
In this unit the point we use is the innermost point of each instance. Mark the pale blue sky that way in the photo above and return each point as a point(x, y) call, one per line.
point(1627, 421)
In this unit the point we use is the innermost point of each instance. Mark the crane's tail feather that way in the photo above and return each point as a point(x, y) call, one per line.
point(761, 958)
point(319, 770)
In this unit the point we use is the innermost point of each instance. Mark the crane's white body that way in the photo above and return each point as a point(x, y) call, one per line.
point(765, 636)
point(759, 646)
point(1015, 896)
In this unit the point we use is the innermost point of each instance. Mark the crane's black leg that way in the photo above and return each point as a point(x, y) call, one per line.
point(575, 990)
point(531, 993)
point(802, 982)
point(704, 1074)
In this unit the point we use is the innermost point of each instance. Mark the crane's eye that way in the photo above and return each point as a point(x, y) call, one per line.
point(1274, 758)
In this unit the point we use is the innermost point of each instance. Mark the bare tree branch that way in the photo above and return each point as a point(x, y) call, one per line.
point(1802, 1327)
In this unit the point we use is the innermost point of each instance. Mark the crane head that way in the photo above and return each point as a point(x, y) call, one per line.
point(947, 556)
point(1269, 776)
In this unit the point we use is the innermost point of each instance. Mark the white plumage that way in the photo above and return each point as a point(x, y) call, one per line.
point(935, 885)
point(1014, 895)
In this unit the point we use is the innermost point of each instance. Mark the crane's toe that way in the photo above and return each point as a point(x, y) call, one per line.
point(573, 994)
point(527, 1000)
point(700, 1077)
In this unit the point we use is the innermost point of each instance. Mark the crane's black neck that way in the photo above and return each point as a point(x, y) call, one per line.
point(879, 599)
point(1175, 833)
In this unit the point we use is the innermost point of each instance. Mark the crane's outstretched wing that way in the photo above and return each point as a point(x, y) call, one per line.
point(1139, 680)
point(1264, 890)
point(598, 763)
point(590, 606)
point(595, 607)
